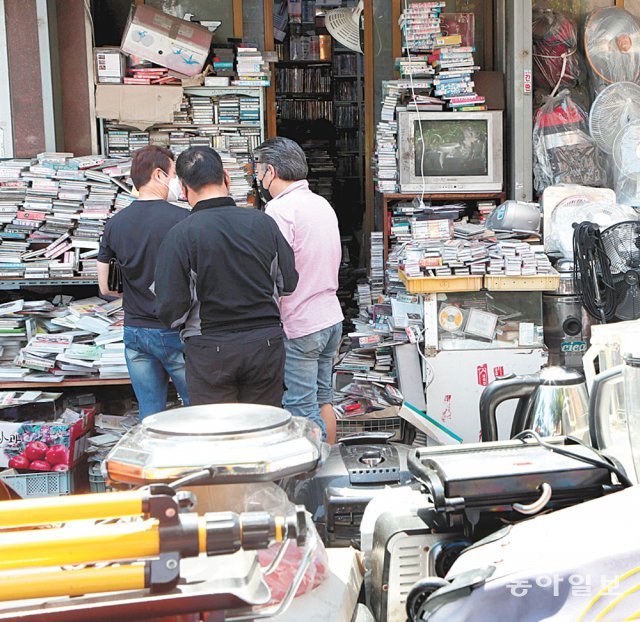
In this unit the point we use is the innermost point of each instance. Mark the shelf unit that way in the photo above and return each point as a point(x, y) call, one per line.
point(388, 200)
point(350, 147)
point(8, 284)
point(79, 382)
point(220, 135)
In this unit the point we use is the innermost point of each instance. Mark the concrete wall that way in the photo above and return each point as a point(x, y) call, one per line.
point(24, 81)
point(47, 85)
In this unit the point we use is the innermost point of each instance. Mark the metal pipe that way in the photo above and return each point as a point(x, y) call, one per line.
point(63, 547)
point(44, 511)
point(19, 586)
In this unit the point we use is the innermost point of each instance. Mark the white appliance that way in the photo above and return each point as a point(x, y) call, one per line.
point(455, 381)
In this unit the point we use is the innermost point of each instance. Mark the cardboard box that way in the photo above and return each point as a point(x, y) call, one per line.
point(16, 436)
point(110, 65)
point(138, 106)
point(166, 40)
point(42, 407)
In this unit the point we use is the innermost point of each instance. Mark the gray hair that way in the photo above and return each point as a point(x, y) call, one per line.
point(286, 157)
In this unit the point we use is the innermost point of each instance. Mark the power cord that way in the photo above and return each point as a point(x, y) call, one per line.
point(413, 95)
point(592, 272)
point(622, 477)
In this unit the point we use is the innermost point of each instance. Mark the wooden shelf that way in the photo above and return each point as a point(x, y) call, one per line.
point(322, 96)
point(78, 382)
point(302, 63)
point(445, 196)
point(499, 197)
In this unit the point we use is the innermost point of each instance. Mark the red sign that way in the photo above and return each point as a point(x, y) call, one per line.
point(498, 372)
point(483, 375)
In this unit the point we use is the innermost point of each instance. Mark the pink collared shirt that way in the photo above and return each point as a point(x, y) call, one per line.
point(309, 224)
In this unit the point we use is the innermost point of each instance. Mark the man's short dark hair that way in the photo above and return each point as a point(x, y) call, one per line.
point(286, 156)
point(200, 166)
point(146, 160)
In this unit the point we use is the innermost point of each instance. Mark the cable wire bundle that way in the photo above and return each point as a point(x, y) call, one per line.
point(592, 272)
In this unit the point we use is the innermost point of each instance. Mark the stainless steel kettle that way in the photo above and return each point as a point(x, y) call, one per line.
point(553, 402)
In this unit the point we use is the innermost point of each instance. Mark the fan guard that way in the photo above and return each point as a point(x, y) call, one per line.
point(614, 108)
point(576, 209)
point(622, 245)
point(344, 26)
point(626, 160)
point(612, 45)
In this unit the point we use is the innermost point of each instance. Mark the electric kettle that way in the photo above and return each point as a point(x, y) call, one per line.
point(615, 423)
point(553, 402)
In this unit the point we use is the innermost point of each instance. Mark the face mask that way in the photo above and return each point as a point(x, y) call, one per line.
point(175, 189)
point(265, 195)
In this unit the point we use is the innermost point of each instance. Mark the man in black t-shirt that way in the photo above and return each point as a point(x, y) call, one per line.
point(133, 237)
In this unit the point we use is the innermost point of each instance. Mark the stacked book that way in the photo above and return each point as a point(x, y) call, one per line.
point(454, 67)
point(386, 139)
point(61, 207)
point(420, 25)
point(13, 188)
point(41, 341)
point(223, 62)
point(239, 187)
point(456, 257)
point(514, 258)
point(484, 209)
point(150, 75)
point(229, 110)
point(118, 142)
point(201, 109)
point(366, 379)
point(251, 68)
point(376, 274)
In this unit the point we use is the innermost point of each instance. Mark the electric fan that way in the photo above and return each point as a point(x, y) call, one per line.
point(612, 46)
point(626, 164)
point(559, 229)
point(344, 26)
point(621, 244)
point(614, 108)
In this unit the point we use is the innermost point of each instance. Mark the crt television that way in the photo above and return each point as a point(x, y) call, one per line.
point(450, 151)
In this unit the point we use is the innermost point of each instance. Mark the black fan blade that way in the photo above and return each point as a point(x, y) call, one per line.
point(628, 307)
point(622, 246)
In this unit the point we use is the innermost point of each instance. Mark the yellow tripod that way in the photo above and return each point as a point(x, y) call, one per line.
point(147, 551)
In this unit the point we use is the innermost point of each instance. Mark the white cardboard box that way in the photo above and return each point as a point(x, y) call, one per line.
point(456, 380)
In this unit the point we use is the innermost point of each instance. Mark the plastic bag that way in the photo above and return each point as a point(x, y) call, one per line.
point(559, 236)
point(612, 47)
point(282, 577)
point(557, 61)
point(563, 150)
point(271, 498)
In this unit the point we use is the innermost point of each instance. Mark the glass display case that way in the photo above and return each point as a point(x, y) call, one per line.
point(488, 320)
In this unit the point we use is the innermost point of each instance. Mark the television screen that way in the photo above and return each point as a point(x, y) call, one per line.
point(451, 148)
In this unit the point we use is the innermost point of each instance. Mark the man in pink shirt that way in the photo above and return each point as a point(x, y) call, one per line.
point(312, 316)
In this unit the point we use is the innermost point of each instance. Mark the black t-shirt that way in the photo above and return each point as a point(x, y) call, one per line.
point(133, 237)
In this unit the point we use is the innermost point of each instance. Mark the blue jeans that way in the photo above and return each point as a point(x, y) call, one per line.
point(308, 370)
point(153, 355)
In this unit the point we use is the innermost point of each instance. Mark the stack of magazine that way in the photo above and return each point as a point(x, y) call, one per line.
point(48, 341)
